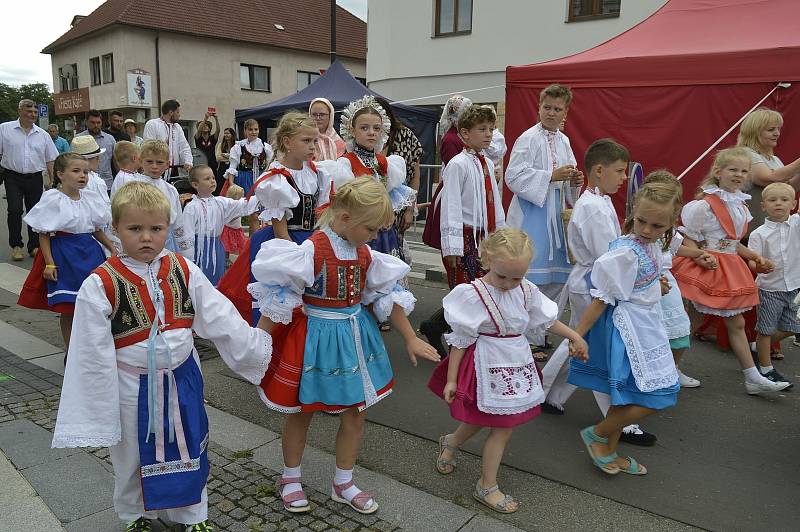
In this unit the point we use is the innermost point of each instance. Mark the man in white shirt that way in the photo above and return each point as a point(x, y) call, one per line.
point(167, 128)
point(25, 151)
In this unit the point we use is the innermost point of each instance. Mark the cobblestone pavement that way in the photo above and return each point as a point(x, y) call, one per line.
point(241, 493)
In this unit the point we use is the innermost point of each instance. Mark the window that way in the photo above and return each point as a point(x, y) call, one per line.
point(68, 77)
point(94, 70)
point(453, 17)
point(592, 9)
point(108, 68)
point(304, 79)
point(254, 77)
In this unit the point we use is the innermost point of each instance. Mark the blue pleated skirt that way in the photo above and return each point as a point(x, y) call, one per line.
point(76, 256)
point(244, 178)
point(608, 369)
point(331, 374)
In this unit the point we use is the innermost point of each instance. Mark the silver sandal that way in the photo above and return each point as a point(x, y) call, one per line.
point(443, 463)
point(501, 506)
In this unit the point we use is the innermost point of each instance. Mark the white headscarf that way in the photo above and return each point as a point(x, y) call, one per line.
point(452, 110)
point(330, 144)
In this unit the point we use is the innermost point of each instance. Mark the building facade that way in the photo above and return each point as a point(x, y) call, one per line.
point(422, 51)
point(132, 64)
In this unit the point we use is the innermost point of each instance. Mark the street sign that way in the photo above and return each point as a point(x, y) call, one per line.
point(42, 111)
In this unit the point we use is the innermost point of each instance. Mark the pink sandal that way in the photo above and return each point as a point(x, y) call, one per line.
point(358, 503)
point(294, 496)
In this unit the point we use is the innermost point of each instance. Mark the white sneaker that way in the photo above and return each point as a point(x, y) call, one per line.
point(765, 386)
point(687, 381)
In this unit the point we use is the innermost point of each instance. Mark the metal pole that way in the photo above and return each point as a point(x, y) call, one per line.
point(333, 31)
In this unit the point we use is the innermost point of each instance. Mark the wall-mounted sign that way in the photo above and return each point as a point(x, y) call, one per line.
point(71, 102)
point(140, 88)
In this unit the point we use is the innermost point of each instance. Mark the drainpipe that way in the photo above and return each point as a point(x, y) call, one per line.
point(158, 73)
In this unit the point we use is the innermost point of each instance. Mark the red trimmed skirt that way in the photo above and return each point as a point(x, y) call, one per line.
point(280, 387)
point(233, 240)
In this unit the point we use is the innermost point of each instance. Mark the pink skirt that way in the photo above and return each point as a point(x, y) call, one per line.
point(233, 240)
point(465, 406)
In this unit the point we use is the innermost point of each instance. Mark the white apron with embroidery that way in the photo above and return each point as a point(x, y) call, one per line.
point(642, 331)
point(507, 380)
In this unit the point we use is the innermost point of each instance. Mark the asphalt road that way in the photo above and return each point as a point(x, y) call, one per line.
point(724, 460)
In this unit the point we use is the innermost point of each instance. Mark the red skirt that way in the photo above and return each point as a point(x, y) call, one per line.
point(233, 240)
point(280, 387)
point(34, 291)
point(729, 286)
point(464, 407)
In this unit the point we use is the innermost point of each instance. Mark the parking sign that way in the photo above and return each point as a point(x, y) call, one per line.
point(43, 111)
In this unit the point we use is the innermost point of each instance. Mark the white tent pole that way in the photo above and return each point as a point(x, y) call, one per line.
point(734, 126)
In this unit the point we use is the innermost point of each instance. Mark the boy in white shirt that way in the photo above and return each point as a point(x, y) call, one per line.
point(777, 241)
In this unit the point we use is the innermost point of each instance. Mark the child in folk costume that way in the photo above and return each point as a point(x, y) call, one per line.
point(470, 204)
point(232, 237)
point(716, 222)
point(70, 221)
point(676, 320)
point(365, 129)
point(490, 378)
point(205, 217)
point(290, 193)
point(133, 382)
point(469, 209)
point(331, 357)
point(154, 157)
point(630, 357)
point(541, 173)
point(248, 159)
point(592, 227)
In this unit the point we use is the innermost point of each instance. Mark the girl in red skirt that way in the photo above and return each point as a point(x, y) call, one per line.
point(716, 221)
point(490, 378)
point(70, 221)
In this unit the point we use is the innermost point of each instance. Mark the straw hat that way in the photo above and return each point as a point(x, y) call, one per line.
point(86, 145)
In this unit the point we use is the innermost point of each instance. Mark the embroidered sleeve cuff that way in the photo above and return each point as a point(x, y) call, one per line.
point(605, 298)
point(402, 196)
point(459, 340)
point(383, 306)
point(259, 369)
point(275, 302)
point(277, 213)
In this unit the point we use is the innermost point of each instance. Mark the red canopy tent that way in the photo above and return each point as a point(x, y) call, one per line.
point(670, 86)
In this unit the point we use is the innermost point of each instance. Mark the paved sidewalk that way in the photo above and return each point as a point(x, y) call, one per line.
point(47, 488)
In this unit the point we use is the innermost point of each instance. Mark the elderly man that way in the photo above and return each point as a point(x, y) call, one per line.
point(168, 129)
point(61, 143)
point(94, 121)
point(25, 151)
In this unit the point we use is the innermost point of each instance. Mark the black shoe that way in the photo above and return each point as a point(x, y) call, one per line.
point(547, 408)
point(639, 437)
point(774, 376)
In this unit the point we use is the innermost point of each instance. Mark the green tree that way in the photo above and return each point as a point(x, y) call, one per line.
point(11, 95)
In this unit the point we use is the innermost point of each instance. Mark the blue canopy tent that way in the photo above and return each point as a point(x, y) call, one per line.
point(340, 87)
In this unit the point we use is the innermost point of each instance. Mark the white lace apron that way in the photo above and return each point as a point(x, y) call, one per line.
point(508, 382)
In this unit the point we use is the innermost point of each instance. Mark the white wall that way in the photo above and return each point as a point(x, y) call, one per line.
point(405, 61)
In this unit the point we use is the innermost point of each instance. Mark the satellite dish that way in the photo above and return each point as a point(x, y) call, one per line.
point(635, 182)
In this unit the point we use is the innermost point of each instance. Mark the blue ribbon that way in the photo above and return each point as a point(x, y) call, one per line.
point(152, 370)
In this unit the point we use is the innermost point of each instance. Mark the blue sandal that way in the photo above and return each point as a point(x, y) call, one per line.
point(605, 463)
point(635, 468)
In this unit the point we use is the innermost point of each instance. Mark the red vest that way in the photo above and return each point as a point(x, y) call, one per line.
point(359, 169)
point(337, 283)
point(132, 310)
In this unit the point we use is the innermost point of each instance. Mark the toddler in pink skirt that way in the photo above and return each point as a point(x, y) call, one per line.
point(232, 237)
